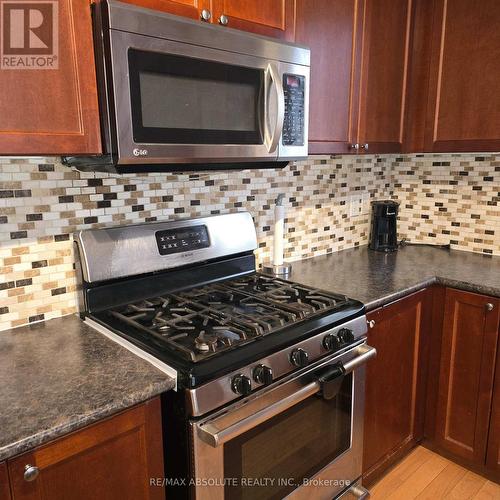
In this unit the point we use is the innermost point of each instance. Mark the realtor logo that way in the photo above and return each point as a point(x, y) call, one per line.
point(29, 38)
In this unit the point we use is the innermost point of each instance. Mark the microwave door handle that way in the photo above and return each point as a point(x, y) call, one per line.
point(215, 436)
point(272, 138)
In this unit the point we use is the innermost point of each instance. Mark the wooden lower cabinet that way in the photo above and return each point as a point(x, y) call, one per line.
point(466, 375)
point(113, 459)
point(493, 448)
point(4, 482)
point(395, 381)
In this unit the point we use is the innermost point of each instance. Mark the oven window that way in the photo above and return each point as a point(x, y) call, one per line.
point(181, 100)
point(273, 459)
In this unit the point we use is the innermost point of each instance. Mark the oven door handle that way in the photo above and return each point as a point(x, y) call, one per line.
point(272, 137)
point(215, 435)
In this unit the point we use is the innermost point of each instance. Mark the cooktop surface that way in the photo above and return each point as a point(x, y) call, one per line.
point(205, 321)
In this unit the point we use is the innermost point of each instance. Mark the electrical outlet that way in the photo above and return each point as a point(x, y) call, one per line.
point(355, 205)
point(365, 202)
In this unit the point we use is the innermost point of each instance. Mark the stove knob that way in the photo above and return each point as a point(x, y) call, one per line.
point(345, 335)
point(299, 358)
point(241, 385)
point(263, 374)
point(331, 342)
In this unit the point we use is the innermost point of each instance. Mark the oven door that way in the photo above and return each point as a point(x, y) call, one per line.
point(302, 438)
point(182, 103)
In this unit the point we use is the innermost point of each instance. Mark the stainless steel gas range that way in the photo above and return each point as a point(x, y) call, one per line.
point(270, 373)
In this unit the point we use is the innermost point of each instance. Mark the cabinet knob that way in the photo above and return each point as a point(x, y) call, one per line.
point(354, 146)
point(223, 19)
point(206, 15)
point(365, 146)
point(489, 306)
point(31, 472)
point(371, 323)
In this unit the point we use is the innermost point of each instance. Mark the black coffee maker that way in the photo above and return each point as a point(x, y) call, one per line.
point(383, 233)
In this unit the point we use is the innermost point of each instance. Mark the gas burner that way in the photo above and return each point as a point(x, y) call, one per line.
point(205, 341)
point(208, 320)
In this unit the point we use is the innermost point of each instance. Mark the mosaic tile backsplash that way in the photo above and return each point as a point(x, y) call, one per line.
point(452, 198)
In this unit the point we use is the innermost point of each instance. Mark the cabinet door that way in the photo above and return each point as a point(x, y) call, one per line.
point(4, 482)
point(463, 112)
point(493, 451)
point(384, 66)
point(52, 110)
point(113, 459)
point(470, 332)
point(184, 8)
point(266, 17)
point(395, 381)
point(332, 29)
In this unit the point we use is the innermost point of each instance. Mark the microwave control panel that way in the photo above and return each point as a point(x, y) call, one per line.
point(293, 126)
point(182, 239)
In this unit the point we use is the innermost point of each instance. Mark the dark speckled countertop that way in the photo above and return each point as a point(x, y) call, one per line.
point(61, 375)
point(377, 278)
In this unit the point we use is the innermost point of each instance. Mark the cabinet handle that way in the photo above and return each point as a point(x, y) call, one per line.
point(31, 472)
point(365, 146)
point(354, 146)
point(223, 19)
point(371, 323)
point(206, 15)
point(489, 306)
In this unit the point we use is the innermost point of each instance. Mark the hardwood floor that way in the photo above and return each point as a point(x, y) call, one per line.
point(424, 475)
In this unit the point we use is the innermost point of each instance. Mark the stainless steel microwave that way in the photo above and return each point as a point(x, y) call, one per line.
point(177, 94)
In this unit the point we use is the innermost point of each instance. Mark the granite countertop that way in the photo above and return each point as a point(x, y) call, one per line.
point(377, 278)
point(61, 375)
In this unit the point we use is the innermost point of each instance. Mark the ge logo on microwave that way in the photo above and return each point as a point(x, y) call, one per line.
point(140, 152)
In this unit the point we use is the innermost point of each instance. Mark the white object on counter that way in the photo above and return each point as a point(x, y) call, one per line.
point(279, 231)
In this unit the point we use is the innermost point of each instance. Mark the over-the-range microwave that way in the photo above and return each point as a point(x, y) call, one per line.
point(176, 94)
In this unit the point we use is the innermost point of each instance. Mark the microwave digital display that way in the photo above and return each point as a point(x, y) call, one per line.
point(293, 126)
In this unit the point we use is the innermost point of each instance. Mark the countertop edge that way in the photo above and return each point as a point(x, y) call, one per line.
point(399, 294)
point(435, 280)
point(46, 436)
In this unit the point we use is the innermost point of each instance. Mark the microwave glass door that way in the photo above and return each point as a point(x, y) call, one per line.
point(183, 100)
point(275, 457)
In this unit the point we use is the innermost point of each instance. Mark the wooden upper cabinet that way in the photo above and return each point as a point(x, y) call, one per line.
point(113, 459)
point(275, 18)
point(184, 8)
point(468, 351)
point(331, 28)
point(4, 482)
point(463, 112)
point(51, 111)
point(266, 17)
point(384, 67)
point(395, 381)
point(359, 65)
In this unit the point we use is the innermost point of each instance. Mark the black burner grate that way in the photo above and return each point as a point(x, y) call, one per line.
point(208, 320)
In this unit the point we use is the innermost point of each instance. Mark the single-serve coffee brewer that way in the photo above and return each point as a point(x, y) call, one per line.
point(383, 231)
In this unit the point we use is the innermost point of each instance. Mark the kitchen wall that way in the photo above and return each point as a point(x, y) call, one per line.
point(42, 203)
point(449, 199)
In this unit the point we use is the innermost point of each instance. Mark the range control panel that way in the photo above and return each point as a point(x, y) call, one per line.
point(293, 127)
point(182, 239)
